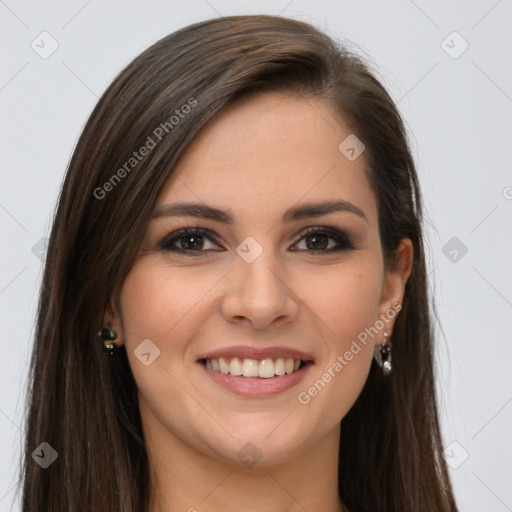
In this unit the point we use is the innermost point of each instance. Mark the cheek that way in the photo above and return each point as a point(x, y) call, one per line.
point(165, 305)
point(346, 300)
point(159, 303)
point(155, 300)
point(346, 303)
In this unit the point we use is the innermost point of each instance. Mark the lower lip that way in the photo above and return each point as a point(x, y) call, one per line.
point(256, 386)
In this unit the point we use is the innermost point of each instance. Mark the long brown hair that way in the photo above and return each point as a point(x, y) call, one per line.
point(84, 405)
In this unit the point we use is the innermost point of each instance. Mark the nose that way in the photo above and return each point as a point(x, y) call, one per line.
point(258, 294)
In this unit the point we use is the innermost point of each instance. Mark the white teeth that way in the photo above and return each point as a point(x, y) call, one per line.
point(235, 366)
point(279, 366)
point(224, 367)
point(250, 368)
point(264, 368)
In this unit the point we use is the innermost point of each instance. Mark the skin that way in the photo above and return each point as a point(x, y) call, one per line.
point(264, 155)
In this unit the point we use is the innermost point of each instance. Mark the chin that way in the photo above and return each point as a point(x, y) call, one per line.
point(264, 446)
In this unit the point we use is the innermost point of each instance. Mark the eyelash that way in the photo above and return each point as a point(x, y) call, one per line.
point(342, 239)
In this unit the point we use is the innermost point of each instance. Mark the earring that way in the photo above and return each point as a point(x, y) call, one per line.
point(382, 355)
point(108, 336)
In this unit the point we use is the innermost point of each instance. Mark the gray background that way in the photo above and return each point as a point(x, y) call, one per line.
point(457, 106)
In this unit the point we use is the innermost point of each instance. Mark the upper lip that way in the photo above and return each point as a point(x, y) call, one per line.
point(248, 352)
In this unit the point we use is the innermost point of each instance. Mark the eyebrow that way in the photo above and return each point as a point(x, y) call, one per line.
point(295, 213)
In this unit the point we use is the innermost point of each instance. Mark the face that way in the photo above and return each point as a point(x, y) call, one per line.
point(262, 285)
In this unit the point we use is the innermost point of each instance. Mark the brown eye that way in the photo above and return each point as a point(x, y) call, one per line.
point(317, 241)
point(321, 240)
point(188, 241)
point(194, 241)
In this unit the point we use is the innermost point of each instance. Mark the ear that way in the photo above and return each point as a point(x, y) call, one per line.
point(112, 319)
point(393, 286)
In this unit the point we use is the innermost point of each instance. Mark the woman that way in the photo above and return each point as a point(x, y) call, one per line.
point(241, 225)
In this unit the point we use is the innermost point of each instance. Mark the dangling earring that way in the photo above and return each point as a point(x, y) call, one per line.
point(382, 355)
point(108, 336)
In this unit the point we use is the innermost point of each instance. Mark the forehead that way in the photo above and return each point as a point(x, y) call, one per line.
point(270, 151)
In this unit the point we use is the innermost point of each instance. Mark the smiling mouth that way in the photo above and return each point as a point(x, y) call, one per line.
point(262, 368)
